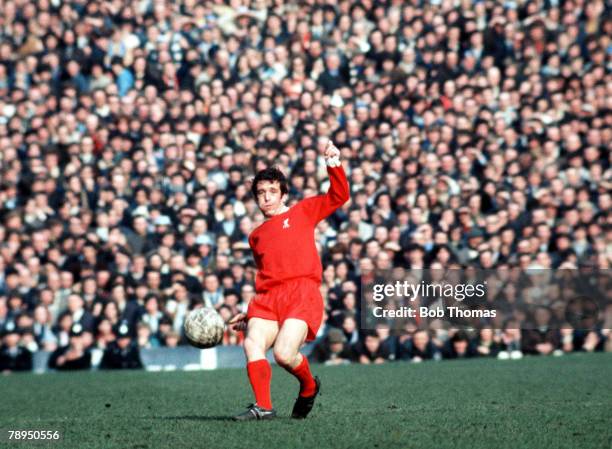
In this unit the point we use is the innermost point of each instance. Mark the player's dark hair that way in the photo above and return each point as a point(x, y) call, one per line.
point(270, 174)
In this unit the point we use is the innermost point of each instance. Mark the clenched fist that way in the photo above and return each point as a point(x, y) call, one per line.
point(332, 155)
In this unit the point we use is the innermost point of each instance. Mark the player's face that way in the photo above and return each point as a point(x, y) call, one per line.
point(270, 199)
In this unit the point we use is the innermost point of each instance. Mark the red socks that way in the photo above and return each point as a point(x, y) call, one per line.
point(307, 382)
point(260, 375)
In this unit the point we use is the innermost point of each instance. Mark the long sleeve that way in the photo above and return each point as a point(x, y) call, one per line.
point(321, 206)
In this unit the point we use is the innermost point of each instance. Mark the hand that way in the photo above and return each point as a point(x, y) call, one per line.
point(364, 360)
point(73, 354)
point(484, 350)
point(97, 309)
point(331, 150)
point(332, 155)
point(238, 322)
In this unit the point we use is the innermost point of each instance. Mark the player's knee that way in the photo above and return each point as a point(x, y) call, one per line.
point(284, 356)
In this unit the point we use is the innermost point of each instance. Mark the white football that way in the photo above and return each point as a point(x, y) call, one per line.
point(204, 327)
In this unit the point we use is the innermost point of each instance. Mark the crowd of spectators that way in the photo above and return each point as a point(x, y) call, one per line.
point(474, 133)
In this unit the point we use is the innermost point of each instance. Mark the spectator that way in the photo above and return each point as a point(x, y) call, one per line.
point(42, 329)
point(105, 335)
point(332, 77)
point(541, 338)
point(122, 353)
point(144, 337)
point(487, 344)
point(388, 342)
point(511, 341)
point(152, 315)
point(14, 357)
point(230, 336)
point(213, 293)
point(79, 314)
point(171, 339)
point(459, 347)
point(332, 350)
point(370, 350)
point(419, 348)
point(349, 327)
point(75, 355)
point(123, 76)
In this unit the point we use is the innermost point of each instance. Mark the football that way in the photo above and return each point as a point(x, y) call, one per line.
point(204, 327)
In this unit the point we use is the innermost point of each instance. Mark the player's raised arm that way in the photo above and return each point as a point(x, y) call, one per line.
point(338, 192)
point(321, 206)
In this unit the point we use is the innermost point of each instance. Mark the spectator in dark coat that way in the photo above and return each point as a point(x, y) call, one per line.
point(123, 353)
point(459, 347)
point(388, 342)
point(369, 350)
point(540, 338)
point(487, 345)
point(74, 356)
point(333, 77)
point(229, 225)
point(419, 348)
point(80, 315)
point(332, 350)
point(12, 356)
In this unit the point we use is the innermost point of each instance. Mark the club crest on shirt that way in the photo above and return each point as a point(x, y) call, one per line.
point(286, 223)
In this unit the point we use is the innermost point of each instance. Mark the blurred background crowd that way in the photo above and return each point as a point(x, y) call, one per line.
point(473, 133)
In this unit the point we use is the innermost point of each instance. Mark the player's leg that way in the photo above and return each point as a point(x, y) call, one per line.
point(287, 354)
point(289, 340)
point(260, 336)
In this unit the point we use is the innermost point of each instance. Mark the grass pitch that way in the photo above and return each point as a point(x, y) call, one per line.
point(532, 403)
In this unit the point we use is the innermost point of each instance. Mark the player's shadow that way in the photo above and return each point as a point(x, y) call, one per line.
point(193, 418)
point(198, 418)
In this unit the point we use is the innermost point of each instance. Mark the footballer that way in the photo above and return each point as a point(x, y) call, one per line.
point(288, 308)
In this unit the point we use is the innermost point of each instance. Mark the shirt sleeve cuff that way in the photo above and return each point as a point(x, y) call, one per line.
point(333, 161)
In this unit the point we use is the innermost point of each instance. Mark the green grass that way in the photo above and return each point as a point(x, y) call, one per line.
point(532, 403)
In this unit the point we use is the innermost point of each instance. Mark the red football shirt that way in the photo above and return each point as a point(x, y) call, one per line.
point(284, 245)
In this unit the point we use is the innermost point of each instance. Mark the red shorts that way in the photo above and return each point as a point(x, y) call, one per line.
point(298, 298)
